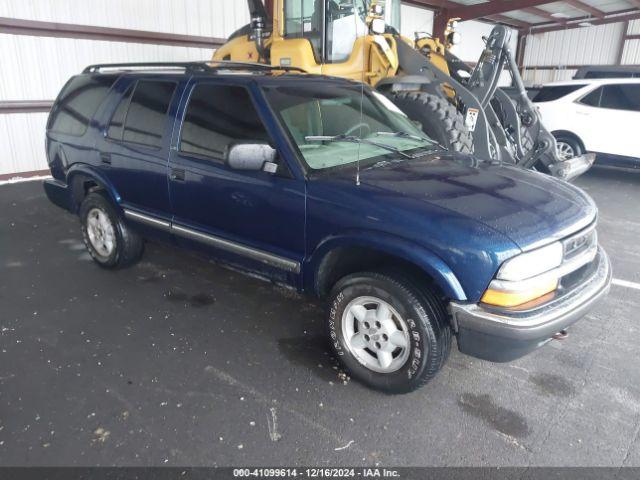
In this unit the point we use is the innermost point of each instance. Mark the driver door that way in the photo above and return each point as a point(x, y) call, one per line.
point(252, 219)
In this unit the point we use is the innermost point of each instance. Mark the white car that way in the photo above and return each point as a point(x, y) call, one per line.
point(594, 115)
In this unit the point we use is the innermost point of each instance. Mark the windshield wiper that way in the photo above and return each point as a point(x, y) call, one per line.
point(409, 135)
point(352, 139)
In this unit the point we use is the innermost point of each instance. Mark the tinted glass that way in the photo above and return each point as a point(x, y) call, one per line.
point(548, 94)
point(146, 117)
point(218, 115)
point(78, 103)
point(117, 120)
point(600, 74)
point(593, 98)
point(621, 97)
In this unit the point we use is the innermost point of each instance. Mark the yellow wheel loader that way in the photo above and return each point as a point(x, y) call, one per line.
point(461, 108)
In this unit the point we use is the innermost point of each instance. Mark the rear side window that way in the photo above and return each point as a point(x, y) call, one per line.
point(551, 93)
point(144, 114)
point(217, 116)
point(592, 99)
point(78, 102)
point(621, 97)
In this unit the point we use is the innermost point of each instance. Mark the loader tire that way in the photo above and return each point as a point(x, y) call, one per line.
point(439, 119)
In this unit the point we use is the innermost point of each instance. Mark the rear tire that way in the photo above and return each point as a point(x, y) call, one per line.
point(388, 333)
point(568, 146)
point(110, 242)
point(439, 119)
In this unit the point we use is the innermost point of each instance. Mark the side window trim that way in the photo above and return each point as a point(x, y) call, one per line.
point(130, 90)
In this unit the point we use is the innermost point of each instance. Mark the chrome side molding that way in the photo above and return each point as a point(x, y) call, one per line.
point(147, 220)
point(221, 243)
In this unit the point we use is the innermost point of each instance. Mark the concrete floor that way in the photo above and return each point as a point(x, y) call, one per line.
point(177, 361)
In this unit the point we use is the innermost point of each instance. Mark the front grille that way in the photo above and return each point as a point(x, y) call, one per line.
point(578, 263)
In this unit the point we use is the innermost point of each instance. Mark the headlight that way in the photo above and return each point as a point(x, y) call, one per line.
point(530, 264)
point(525, 277)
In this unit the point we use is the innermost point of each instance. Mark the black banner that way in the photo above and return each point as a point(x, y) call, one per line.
point(224, 473)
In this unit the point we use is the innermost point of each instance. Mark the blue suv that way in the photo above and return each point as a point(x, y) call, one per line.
point(323, 185)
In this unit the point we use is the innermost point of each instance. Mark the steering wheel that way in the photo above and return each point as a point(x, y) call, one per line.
point(358, 126)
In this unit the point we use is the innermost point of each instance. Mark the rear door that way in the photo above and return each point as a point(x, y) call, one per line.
point(253, 219)
point(609, 117)
point(135, 145)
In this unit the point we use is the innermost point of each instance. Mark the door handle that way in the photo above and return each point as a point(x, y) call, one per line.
point(177, 175)
point(105, 158)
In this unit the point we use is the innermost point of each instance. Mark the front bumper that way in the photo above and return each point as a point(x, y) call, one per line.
point(502, 336)
point(573, 167)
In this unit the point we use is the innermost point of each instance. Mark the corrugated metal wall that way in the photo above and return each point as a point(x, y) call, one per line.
point(35, 68)
point(596, 45)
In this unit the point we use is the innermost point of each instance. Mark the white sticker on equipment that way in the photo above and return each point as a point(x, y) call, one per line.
point(471, 118)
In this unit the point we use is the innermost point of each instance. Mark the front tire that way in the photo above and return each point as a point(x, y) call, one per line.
point(439, 119)
point(387, 333)
point(110, 242)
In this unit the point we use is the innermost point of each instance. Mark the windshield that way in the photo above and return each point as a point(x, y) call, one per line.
point(335, 125)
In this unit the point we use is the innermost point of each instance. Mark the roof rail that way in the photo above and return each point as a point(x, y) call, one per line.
point(208, 66)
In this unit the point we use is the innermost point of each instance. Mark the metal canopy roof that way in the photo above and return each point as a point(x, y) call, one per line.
point(537, 16)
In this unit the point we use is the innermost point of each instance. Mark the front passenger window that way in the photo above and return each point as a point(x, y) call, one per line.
point(218, 116)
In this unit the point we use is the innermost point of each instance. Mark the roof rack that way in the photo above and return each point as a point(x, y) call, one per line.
point(208, 66)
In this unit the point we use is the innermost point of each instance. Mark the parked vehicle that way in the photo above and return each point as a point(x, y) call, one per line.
point(608, 71)
point(323, 185)
point(599, 116)
point(459, 107)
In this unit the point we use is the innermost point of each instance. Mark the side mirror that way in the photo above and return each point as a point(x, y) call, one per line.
point(252, 156)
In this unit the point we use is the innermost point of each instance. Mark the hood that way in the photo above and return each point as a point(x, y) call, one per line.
point(527, 207)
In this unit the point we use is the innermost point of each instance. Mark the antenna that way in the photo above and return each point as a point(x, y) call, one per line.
point(355, 19)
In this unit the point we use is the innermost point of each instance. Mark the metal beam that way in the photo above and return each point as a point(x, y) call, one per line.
point(543, 14)
point(584, 18)
point(25, 106)
point(570, 67)
point(15, 26)
point(585, 8)
point(574, 22)
point(512, 22)
point(480, 10)
point(433, 4)
point(621, 42)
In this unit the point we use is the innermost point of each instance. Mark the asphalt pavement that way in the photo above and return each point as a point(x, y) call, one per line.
point(178, 361)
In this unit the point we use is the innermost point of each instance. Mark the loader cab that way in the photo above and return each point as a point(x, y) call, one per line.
point(330, 26)
point(331, 37)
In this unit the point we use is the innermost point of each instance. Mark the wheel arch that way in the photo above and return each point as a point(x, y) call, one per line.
point(82, 179)
point(567, 133)
point(341, 256)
